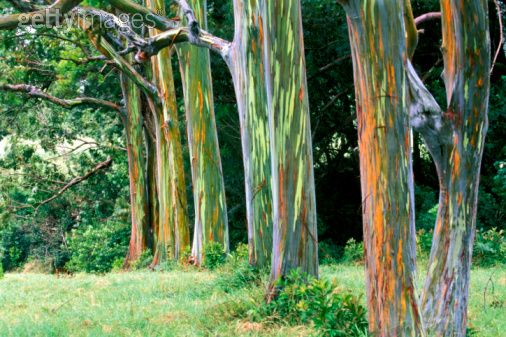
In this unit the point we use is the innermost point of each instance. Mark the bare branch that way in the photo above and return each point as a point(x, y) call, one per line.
point(50, 15)
point(77, 180)
point(35, 92)
point(501, 37)
point(427, 16)
point(149, 17)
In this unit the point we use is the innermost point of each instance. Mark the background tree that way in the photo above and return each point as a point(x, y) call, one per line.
point(211, 218)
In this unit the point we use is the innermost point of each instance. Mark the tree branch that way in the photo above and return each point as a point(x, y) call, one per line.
point(35, 92)
point(149, 17)
point(77, 180)
point(49, 15)
point(425, 114)
point(501, 37)
point(427, 16)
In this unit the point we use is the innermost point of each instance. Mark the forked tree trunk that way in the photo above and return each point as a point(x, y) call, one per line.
point(136, 169)
point(466, 51)
point(173, 237)
point(246, 64)
point(293, 192)
point(211, 219)
point(379, 53)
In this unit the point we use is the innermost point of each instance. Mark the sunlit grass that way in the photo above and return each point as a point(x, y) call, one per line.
point(181, 303)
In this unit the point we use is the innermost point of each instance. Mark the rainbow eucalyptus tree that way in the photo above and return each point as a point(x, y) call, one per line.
point(457, 149)
point(136, 167)
point(246, 64)
point(211, 220)
point(391, 98)
point(377, 38)
point(267, 52)
point(293, 192)
point(172, 237)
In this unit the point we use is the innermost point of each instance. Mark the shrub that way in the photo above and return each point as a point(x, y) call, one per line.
point(328, 252)
point(95, 249)
point(489, 247)
point(118, 264)
point(1, 271)
point(353, 251)
point(144, 261)
point(302, 299)
point(424, 242)
point(241, 253)
point(241, 275)
point(14, 246)
point(214, 255)
point(427, 219)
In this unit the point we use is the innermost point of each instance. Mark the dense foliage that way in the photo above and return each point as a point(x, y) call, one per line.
point(43, 146)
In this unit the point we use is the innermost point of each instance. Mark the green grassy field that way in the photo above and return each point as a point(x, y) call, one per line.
point(181, 303)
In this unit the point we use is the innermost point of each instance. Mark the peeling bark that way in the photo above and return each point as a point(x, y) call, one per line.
point(293, 192)
point(380, 52)
point(136, 168)
point(246, 64)
point(173, 237)
point(211, 220)
point(466, 52)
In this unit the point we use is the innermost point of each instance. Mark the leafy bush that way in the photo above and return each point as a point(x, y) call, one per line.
point(427, 219)
point(489, 247)
point(95, 249)
point(353, 252)
point(241, 253)
point(302, 299)
point(117, 264)
point(14, 246)
point(144, 261)
point(424, 242)
point(240, 276)
point(328, 252)
point(1, 272)
point(214, 255)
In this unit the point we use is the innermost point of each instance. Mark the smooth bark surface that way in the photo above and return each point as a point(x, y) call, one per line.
point(173, 237)
point(379, 55)
point(136, 168)
point(246, 63)
point(211, 220)
point(466, 51)
point(293, 192)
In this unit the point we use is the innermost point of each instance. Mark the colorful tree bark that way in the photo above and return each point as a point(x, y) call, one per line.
point(293, 192)
point(379, 53)
point(246, 64)
point(136, 168)
point(173, 237)
point(211, 220)
point(458, 154)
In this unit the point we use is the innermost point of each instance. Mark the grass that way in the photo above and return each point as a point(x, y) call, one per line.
point(182, 303)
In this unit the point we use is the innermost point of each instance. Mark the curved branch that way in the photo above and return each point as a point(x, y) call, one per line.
point(501, 36)
point(49, 15)
point(77, 180)
point(427, 16)
point(149, 17)
point(35, 92)
point(184, 34)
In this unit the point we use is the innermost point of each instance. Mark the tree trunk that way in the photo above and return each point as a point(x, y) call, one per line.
point(173, 235)
point(136, 168)
point(246, 64)
point(211, 220)
point(466, 51)
point(379, 54)
point(293, 192)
